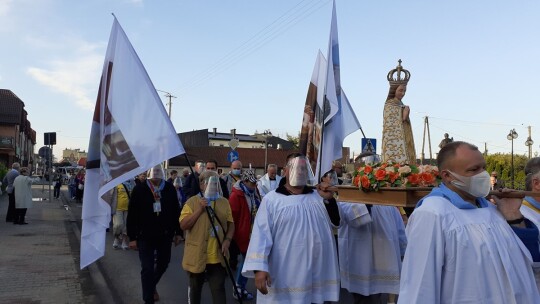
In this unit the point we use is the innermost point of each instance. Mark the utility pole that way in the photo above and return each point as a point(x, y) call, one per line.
point(426, 130)
point(170, 96)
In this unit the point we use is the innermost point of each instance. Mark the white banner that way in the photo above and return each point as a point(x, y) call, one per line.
point(131, 132)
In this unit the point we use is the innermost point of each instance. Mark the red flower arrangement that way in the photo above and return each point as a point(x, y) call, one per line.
point(383, 175)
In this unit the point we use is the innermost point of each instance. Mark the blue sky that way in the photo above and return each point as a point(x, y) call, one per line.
point(247, 64)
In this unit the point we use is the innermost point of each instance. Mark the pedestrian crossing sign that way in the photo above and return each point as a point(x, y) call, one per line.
point(369, 145)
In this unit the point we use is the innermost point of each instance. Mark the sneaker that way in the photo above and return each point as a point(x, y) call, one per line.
point(246, 296)
point(116, 244)
point(125, 245)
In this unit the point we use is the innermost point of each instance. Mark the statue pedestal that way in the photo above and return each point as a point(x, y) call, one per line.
point(399, 197)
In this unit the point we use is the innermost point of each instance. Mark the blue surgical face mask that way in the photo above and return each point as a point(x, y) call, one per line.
point(237, 172)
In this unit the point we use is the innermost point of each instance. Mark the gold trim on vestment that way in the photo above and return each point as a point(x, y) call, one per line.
point(357, 277)
point(305, 288)
point(256, 256)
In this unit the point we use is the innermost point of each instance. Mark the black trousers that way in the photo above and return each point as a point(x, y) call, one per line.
point(56, 192)
point(378, 298)
point(20, 213)
point(10, 215)
point(216, 275)
point(155, 255)
point(234, 251)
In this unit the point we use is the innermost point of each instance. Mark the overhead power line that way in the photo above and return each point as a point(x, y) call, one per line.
point(279, 26)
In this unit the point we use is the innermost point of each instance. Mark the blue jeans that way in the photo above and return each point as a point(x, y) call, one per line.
point(160, 249)
point(71, 191)
point(241, 280)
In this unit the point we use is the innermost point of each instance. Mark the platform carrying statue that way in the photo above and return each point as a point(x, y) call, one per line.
point(397, 137)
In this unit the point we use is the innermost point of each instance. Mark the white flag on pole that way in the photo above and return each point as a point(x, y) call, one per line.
point(339, 117)
point(131, 132)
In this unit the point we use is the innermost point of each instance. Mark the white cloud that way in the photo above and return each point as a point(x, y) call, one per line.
point(136, 2)
point(77, 78)
point(5, 6)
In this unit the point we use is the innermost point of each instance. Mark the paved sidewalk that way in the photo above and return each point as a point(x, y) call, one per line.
point(37, 264)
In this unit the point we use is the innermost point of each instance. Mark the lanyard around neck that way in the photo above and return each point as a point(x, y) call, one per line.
point(156, 193)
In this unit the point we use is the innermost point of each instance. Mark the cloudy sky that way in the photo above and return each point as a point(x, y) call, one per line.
point(247, 64)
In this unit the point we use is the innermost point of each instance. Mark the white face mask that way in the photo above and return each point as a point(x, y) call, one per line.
point(477, 185)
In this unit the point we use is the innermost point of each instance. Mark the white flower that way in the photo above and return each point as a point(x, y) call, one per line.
point(404, 170)
point(390, 169)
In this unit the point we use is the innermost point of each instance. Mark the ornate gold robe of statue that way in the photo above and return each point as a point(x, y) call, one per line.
point(397, 137)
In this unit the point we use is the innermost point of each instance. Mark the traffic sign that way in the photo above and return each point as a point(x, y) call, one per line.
point(44, 152)
point(233, 143)
point(50, 138)
point(232, 156)
point(369, 145)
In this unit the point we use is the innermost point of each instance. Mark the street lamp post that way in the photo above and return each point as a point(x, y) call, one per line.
point(529, 143)
point(266, 134)
point(511, 136)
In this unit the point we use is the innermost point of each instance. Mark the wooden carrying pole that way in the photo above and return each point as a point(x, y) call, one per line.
point(407, 197)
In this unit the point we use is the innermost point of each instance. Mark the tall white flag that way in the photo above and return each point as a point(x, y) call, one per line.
point(131, 132)
point(339, 117)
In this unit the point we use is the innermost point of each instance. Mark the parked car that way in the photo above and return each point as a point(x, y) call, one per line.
point(66, 173)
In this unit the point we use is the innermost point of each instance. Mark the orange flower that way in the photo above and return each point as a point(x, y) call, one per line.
point(383, 166)
point(396, 165)
point(427, 178)
point(393, 176)
point(414, 179)
point(365, 182)
point(356, 180)
point(380, 174)
point(368, 169)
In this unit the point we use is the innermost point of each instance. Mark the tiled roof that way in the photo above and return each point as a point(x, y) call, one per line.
point(12, 108)
point(227, 136)
point(246, 155)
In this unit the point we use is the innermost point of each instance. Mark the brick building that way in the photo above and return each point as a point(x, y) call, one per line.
point(17, 138)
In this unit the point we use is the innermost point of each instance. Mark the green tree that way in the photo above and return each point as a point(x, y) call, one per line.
point(502, 164)
point(295, 140)
point(3, 172)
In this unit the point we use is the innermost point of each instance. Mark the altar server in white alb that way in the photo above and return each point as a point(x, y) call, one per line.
point(463, 249)
point(371, 243)
point(292, 252)
point(269, 181)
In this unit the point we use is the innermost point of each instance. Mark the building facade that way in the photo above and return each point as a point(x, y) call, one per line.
point(17, 138)
point(73, 155)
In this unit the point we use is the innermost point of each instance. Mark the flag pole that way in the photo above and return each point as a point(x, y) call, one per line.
point(361, 130)
point(319, 159)
point(211, 216)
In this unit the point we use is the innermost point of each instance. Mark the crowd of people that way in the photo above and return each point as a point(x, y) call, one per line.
point(301, 244)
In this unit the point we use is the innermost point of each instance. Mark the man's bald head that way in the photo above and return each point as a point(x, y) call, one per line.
point(448, 152)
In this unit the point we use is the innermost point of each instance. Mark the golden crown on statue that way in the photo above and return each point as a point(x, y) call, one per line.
point(395, 75)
